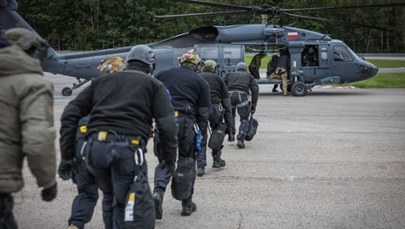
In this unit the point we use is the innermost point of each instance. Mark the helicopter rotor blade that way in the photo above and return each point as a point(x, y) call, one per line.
point(333, 21)
point(209, 14)
point(216, 4)
point(235, 10)
point(343, 7)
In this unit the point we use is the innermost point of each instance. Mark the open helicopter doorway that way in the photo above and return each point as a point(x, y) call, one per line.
point(315, 62)
point(227, 56)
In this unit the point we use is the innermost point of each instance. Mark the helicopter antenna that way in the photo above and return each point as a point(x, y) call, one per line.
point(323, 36)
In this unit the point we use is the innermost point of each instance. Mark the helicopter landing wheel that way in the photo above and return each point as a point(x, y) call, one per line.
point(66, 91)
point(299, 88)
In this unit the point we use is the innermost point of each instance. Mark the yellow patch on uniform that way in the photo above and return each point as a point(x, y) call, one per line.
point(131, 196)
point(83, 129)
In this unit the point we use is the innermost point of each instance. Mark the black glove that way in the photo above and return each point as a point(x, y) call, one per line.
point(67, 168)
point(252, 109)
point(49, 194)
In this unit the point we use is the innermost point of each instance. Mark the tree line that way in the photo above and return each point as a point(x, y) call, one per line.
point(97, 24)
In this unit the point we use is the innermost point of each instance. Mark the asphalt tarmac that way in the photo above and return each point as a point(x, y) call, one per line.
point(332, 159)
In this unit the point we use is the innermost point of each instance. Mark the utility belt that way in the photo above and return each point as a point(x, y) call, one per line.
point(183, 114)
point(112, 136)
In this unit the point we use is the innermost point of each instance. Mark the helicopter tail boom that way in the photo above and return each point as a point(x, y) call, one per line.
point(9, 18)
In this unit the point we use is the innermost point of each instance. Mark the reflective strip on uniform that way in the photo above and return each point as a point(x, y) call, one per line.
point(101, 135)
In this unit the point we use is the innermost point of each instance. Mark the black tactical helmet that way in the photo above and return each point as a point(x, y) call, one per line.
point(142, 53)
point(25, 38)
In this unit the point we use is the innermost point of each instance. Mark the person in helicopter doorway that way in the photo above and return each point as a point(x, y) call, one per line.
point(283, 66)
point(309, 56)
point(85, 201)
point(220, 110)
point(255, 64)
point(271, 69)
point(243, 93)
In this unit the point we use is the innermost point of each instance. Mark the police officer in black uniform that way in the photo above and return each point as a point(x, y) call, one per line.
point(85, 201)
point(190, 97)
point(220, 110)
point(121, 109)
point(243, 92)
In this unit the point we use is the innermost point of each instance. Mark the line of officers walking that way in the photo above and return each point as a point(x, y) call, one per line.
point(106, 128)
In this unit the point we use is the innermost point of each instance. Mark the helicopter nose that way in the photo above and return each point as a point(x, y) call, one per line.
point(368, 70)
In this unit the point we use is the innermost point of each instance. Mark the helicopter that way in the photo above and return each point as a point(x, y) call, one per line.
point(336, 62)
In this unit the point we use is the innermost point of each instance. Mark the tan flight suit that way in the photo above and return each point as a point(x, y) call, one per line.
point(281, 74)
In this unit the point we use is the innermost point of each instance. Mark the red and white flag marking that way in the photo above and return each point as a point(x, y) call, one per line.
point(292, 35)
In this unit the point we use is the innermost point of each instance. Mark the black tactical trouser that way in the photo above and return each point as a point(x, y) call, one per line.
point(216, 116)
point(112, 163)
point(186, 144)
point(7, 220)
point(84, 203)
point(240, 103)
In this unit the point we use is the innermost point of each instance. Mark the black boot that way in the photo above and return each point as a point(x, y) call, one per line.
point(275, 88)
point(200, 171)
point(240, 144)
point(218, 162)
point(158, 198)
point(188, 207)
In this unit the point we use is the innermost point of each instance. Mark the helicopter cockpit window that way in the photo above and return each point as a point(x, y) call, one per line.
point(341, 54)
point(310, 55)
point(209, 53)
point(232, 56)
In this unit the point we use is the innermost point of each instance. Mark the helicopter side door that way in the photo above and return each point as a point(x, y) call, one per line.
point(231, 56)
point(226, 56)
point(315, 62)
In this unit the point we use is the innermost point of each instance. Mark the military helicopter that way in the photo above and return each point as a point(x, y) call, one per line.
point(336, 62)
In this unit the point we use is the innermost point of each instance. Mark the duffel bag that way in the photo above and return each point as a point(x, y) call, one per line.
point(253, 125)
